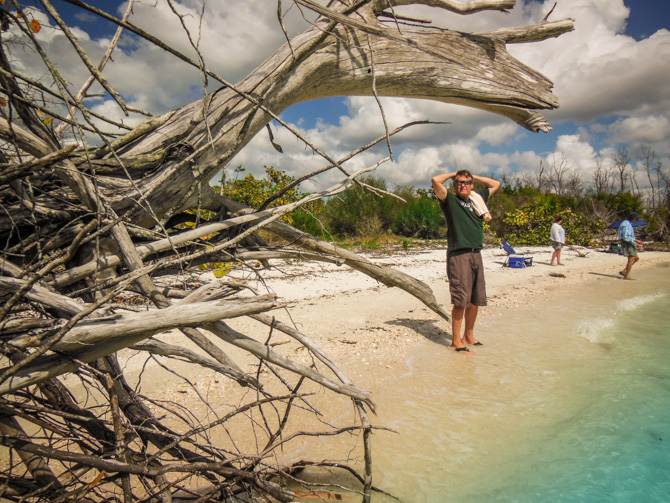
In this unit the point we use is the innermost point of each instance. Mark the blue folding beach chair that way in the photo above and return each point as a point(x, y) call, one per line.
point(515, 260)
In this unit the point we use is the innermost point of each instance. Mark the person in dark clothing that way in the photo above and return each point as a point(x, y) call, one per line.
point(465, 239)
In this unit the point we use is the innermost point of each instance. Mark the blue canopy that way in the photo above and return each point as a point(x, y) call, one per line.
point(639, 223)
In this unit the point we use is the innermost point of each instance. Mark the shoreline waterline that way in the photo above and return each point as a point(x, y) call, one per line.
point(377, 335)
point(539, 413)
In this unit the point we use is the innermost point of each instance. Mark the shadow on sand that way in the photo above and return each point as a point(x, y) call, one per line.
point(426, 328)
point(615, 276)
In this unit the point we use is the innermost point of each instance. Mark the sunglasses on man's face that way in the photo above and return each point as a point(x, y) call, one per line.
point(463, 182)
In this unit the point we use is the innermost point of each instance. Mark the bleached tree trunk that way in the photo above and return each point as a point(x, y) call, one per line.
point(444, 66)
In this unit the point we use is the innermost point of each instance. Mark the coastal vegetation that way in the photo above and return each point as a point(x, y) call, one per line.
point(523, 209)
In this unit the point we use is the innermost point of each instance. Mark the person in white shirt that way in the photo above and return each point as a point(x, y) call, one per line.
point(557, 240)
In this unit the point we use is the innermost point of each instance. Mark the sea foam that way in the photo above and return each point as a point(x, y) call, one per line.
point(635, 302)
point(597, 330)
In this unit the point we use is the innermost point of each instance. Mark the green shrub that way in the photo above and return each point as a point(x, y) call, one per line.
point(311, 221)
point(621, 203)
point(421, 217)
point(358, 211)
point(256, 192)
point(531, 226)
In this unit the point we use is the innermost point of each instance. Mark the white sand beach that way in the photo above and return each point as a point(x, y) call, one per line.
point(369, 329)
point(375, 333)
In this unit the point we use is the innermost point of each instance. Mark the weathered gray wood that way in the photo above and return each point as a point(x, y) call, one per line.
point(227, 334)
point(11, 171)
point(25, 140)
point(170, 350)
point(145, 324)
point(306, 341)
point(27, 325)
point(103, 337)
point(145, 250)
point(221, 357)
point(63, 305)
point(212, 291)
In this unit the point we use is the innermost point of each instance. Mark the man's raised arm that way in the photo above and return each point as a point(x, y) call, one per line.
point(489, 183)
point(438, 184)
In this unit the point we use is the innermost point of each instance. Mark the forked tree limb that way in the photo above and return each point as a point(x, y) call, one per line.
point(173, 351)
point(231, 336)
point(225, 364)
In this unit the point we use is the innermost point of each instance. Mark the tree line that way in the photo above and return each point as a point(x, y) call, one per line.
point(523, 209)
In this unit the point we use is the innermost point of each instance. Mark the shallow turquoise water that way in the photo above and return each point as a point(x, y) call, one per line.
point(568, 402)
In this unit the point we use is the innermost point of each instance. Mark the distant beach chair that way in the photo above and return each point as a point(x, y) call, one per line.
point(515, 260)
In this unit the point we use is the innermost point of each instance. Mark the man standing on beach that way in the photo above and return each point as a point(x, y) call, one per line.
point(628, 243)
point(465, 239)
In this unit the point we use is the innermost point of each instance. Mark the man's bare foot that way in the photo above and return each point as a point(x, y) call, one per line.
point(623, 273)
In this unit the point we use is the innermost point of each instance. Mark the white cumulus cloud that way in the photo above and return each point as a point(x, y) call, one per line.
point(613, 90)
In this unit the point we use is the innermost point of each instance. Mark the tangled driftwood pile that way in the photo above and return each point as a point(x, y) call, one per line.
point(83, 225)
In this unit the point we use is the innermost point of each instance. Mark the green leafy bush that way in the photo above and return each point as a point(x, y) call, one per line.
point(359, 212)
point(312, 222)
point(621, 203)
point(522, 214)
point(531, 225)
point(421, 217)
point(254, 192)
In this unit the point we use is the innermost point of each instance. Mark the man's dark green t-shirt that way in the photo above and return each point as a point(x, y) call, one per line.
point(464, 228)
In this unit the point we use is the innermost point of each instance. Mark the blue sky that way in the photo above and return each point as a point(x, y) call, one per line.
point(611, 76)
point(647, 17)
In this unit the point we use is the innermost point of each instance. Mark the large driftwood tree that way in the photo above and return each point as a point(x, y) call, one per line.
point(82, 224)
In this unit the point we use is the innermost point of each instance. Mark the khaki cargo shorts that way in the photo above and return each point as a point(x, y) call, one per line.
point(465, 271)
